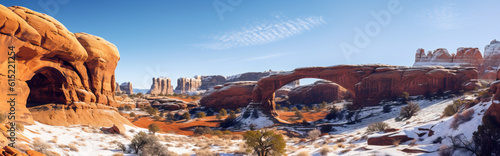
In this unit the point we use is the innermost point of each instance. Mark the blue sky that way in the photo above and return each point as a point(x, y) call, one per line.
point(183, 38)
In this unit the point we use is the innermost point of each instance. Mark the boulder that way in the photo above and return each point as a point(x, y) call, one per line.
point(142, 103)
point(317, 92)
point(231, 95)
point(494, 109)
point(388, 139)
point(113, 130)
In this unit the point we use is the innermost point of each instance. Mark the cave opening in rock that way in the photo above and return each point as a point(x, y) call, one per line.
point(310, 93)
point(46, 86)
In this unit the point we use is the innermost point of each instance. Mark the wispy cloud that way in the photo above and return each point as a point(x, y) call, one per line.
point(264, 57)
point(261, 33)
point(443, 17)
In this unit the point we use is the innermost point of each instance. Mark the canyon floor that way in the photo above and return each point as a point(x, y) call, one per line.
point(349, 139)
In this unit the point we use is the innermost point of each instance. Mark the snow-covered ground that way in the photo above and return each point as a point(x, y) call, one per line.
point(346, 140)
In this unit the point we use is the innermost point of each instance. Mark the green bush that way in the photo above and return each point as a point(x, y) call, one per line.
point(156, 117)
point(286, 109)
point(203, 130)
point(218, 116)
point(295, 109)
point(227, 132)
point(223, 112)
point(218, 133)
point(409, 110)
point(265, 142)
point(153, 128)
point(132, 114)
point(200, 115)
point(453, 108)
point(186, 116)
point(299, 114)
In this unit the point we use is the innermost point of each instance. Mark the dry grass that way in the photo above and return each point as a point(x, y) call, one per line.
point(460, 118)
point(325, 150)
point(341, 140)
point(340, 145)
point(73, 147)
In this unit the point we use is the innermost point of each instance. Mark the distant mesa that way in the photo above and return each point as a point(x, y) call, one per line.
point(161, 86)
point(126, 87)
point(185, 85)
point(464, 57)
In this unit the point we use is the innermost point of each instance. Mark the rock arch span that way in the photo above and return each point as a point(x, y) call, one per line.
point(369, 84)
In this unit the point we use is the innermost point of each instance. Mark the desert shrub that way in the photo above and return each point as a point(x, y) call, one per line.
point(122, 147)
point(265, 142)
point(128, 108)
point(306, 109)
point(377, 127)
point(203, 130)
point(322, 105)
point(132, 114)
point(278, 107)
point(409, 110)
point(121, 108)
point(484, 94)
point(218, 133)
point(223, 112)
point(229, 121)
point(156, 117)
point(460, 118)
point(42, 147)
point(186, 116)
point(316, 109)
point(303, 153)
point(218, 117)
point(452, 108)
point(314, 134)
point(20, 127)
point(285, 109)
point(153, 128)
point(404, 97)
point(487, 136)
point(299, 114)
point(200, 115)
point(253, 127)
point(227, 132)
point(162, 114)
point(151, 111)
point(295, 109)
point(155, 148)
point(325, 150)
point(140, 140)
point(238, 110)
point(333, 114)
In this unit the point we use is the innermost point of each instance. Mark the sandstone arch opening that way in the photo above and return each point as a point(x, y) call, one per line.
point(46, 86)
point(313, 97)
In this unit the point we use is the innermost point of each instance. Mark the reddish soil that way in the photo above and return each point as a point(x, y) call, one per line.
point(179, 127)
point(308, 116)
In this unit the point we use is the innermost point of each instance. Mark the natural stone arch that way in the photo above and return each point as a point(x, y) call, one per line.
point(369, 84)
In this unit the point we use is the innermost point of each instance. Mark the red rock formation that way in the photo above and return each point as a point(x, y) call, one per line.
point(185, 85)
point(465, 57)
point(316, 93)
point(75, 71)
point(229, 96)
point(118, 90)
point(208, 82)
point(126, 87)
point(161, 86)
point(494, 109)
point(369, 84)
point(388, 139)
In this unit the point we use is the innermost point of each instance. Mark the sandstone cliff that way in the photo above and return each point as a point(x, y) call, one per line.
point(208, 82)
point(231, 95)
point(185, 85)
point(56, 67)
point(161, 86)
point(465, 57)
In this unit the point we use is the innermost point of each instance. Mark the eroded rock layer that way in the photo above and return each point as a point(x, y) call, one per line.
point(231, 95)
point(55, 66)
point(161, 86)
point(369, 84)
